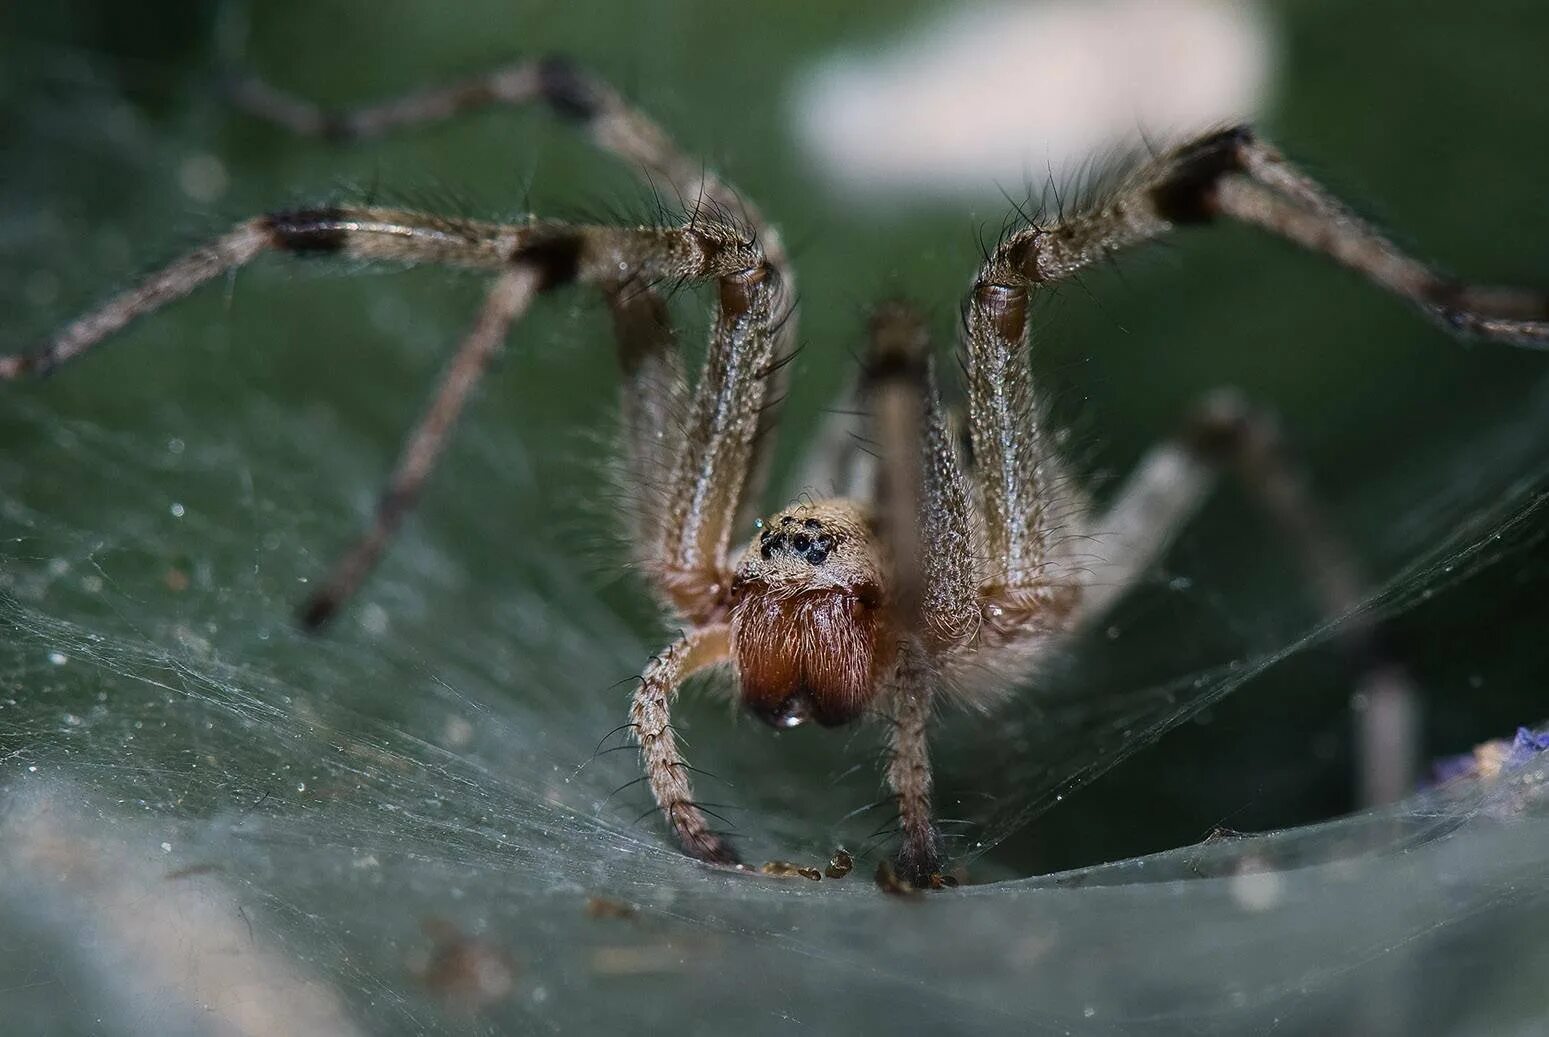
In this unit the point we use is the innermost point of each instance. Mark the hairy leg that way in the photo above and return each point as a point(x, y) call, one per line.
point(920, 853)
point(570, 91)
point(926, 526)
point(923, 506)
point(711, 459)
point(611, 258)
point(614, 126)
point(665, 769)
point(1231, 174)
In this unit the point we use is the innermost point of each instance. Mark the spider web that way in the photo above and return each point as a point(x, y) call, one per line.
point(211, 823)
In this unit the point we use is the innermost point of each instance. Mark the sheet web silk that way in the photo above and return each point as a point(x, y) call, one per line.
point(209, 821)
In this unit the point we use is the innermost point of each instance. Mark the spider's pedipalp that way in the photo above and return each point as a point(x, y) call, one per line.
point(665, 769)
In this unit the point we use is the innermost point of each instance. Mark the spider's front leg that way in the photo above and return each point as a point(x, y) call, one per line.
point(688, 460)
point(924, 520)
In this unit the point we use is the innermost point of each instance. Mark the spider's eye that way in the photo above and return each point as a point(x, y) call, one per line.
point(787, 520)
point(812, 524)
point(801, 542)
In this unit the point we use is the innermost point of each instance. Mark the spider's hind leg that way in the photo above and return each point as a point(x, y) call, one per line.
point(1166, 490)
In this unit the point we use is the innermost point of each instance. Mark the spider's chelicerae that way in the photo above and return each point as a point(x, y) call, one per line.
point(930, 575)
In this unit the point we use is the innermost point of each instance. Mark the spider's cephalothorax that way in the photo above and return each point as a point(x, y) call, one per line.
point(809, 627)
point(933, 575)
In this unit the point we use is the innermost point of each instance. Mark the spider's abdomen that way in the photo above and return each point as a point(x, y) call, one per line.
point(814, 655)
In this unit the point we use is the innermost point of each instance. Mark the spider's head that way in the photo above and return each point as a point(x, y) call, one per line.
point(808, 627)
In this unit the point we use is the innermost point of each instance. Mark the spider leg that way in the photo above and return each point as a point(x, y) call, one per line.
point(923, 508)
point(609, 257)
point(1167, 489)
point(1157, 500)
point(614, 126)
point(713, 450)
point(710, 460)
point(665, 769)
point(510, 296)
point(234, 249)
point(571, 92)
point(921, 854)
point(1272, 194)
point(925, 524)
point(689, 463)
point(1229, 173)
point(1232, 173)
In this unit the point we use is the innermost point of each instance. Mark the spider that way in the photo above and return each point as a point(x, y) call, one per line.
point(948, 565)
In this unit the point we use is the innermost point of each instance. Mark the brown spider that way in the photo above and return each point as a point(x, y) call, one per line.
point(930, 576)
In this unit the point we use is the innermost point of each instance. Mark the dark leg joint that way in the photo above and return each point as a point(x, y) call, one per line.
point(738, 289)
point(394, 505)
point(1464, 307)
point(569, 91)
point(1187, 195)
point(308, 231)
point(899, 347)
point(557, 259)
point(1006, 306)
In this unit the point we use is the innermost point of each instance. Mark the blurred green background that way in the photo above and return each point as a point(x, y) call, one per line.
point(286, 393)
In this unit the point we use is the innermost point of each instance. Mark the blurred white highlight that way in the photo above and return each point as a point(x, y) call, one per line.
point(1002, 95)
